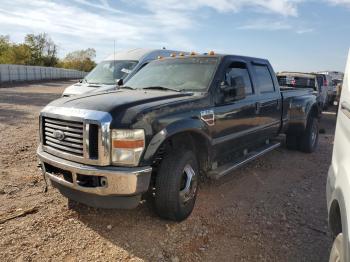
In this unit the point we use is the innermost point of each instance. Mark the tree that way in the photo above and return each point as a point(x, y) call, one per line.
point(20, 54)
point(80, 60)
point(4, 48)
point(43, 49)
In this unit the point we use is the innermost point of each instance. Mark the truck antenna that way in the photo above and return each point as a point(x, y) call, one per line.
point(114, 59)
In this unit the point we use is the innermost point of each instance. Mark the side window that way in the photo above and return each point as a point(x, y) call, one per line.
point(264, 79)
point(239, 69)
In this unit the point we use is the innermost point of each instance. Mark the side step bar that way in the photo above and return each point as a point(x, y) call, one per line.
point(228, 168)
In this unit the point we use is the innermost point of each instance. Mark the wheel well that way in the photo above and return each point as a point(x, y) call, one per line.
point(335, 218)
point(189, 140)
point(314, 112)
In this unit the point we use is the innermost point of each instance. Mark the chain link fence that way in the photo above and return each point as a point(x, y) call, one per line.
point(21, 73)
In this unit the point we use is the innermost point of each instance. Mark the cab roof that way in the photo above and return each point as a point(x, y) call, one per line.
point(137, 54)
point(221, 56)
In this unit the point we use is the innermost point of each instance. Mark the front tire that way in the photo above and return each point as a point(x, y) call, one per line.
point(337, 252)
point(177, 185)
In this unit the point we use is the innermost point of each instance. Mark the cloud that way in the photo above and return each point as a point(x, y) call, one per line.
point(281, 7)
point(304, 30)
point(83, 23)
point(275, 25)
point(340, 2)
point(265, 25)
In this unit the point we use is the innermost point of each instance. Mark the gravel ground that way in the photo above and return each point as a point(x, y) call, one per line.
point(274, 209)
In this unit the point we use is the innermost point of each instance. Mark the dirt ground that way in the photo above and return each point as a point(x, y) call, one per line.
point(274, 209)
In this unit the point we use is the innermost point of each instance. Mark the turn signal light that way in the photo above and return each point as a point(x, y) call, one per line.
point(128, 143)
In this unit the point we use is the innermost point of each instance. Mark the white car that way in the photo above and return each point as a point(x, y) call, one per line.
point(338, 182)
point(121, 65)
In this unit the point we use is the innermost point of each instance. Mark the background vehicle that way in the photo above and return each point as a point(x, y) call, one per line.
point(327, 86)
point(338, 185)
point(121, 65)
point(175, 119)
point(305, 80)
point(333, 78)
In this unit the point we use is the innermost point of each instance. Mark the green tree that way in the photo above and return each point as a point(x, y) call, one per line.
point(82, 60)
point(20, 54)
point(4, 48)
point(43, 49)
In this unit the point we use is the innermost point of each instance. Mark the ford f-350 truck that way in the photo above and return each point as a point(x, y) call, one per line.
point(174, 120)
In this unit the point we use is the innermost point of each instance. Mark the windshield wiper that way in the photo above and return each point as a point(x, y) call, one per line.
point(162, 88)
point(126, 87)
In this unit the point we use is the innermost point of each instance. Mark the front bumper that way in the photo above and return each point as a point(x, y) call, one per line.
point(118, 181)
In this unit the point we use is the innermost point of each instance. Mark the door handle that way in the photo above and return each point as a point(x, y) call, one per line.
point(257, 107)
point(345, 108)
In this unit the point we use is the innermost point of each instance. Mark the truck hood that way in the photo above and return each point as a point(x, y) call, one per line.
point(83, 88)
point(118, 101)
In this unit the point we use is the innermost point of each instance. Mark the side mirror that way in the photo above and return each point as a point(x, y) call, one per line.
point(235, 91)
point(120, 82)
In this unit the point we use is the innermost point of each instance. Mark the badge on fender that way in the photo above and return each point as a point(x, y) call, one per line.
point(208, 117)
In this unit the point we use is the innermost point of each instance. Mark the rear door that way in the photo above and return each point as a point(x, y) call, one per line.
point(268, 107)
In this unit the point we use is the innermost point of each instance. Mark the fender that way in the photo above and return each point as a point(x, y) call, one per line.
point(184, 125)
point(300, 114)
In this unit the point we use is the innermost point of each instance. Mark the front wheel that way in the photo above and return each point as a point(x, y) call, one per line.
point(177, 185)
point(337, 252)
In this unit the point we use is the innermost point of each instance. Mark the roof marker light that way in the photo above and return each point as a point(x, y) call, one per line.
point(159, 57)
point(211, 53)
point(172, 55)
point(193, 53)
point(181, 54)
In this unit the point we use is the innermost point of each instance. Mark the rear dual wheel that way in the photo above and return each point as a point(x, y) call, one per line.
point(308, 140)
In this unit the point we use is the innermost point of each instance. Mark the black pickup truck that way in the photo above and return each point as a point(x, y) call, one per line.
point(176, 119)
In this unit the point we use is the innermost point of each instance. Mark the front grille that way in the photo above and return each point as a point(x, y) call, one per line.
point(63, 135)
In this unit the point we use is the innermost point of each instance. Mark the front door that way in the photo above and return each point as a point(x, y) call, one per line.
point(235, 120)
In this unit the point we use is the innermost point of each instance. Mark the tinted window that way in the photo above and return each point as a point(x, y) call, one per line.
point(263, 78)
point(107, 72)
point(242, 71)
point(296, 81)
point(320, 80)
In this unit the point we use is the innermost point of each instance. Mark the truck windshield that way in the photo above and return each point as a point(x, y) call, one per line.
point(183, 73)
point(107, 72)
point(297, 81)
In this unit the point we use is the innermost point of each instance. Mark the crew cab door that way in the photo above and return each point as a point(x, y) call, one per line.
point(235, 118)
point(269, 100)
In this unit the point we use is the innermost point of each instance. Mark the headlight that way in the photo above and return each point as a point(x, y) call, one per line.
point(127, 146)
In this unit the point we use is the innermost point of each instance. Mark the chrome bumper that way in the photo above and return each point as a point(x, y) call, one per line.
point(120, 181)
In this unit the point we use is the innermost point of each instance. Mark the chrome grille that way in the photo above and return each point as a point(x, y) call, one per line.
point(70, 142)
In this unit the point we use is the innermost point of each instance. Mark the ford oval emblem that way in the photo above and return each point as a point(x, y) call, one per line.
point(58, 134)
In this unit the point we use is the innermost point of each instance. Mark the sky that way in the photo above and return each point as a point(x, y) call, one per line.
point(295, 35)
